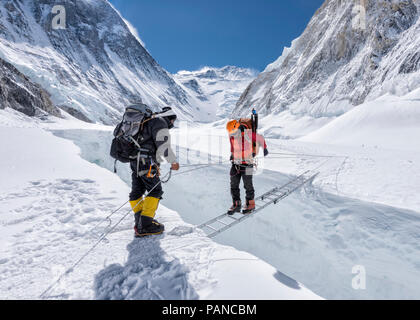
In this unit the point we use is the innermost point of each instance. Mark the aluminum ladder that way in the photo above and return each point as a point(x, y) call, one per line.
point(225, 221)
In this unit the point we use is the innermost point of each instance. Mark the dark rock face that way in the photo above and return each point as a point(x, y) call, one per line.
point(19, 93)
point(75, 113)
point(411, 63)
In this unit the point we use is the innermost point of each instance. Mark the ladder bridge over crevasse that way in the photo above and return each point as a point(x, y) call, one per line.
point(225, 221)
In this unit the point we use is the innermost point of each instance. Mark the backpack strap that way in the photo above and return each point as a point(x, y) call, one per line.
point(243, 143)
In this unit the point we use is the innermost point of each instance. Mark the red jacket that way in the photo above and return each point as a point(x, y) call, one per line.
point(241, 147)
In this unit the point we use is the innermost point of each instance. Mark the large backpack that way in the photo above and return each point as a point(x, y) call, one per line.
point(248, 124)
point(125, 146)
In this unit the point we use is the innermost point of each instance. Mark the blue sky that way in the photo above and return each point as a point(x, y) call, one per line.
point(189, 34)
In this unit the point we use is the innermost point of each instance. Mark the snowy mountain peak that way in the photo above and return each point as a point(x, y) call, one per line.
point(350, 52)
point(96, 65)
point(224, 73)
point(220, 88)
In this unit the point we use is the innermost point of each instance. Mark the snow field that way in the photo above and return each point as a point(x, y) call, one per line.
point(329, 232)
point(52, 210)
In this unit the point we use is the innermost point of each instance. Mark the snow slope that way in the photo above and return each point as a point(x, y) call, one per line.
point(218, 87)
point(316, 236)
point(389, 122)
point(50, 206)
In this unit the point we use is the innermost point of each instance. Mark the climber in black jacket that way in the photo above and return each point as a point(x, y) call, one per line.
point(145, 175)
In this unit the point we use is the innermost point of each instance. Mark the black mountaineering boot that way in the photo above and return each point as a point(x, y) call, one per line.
point(236, 207)
point(137, 223)
point(149, 227)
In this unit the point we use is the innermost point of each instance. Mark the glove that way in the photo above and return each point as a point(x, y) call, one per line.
point(175, 166)
point(265, 152)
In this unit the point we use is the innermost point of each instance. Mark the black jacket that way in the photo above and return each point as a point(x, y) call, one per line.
point(156, 139)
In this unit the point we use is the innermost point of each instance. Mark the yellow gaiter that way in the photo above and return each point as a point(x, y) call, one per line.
point(150, 205)
point(137, 205)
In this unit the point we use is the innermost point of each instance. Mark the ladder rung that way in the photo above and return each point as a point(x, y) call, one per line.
point(232, 217)
point(280, 195)
point(210, 227)
point(265, 201)
point(222, 222)
point(295, 182)
point(272, 195)
point(267, 194)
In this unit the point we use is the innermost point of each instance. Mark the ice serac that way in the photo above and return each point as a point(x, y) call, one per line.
point(341, 61)
point(220, 88)
point(19, 93)
point(95, 66)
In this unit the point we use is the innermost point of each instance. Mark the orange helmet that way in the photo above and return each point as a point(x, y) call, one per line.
point(232, 126)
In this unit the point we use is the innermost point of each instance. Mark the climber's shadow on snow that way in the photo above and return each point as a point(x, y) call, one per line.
point(289, 282)
point(148, 274)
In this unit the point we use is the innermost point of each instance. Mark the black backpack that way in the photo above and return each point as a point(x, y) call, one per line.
point(125, 146)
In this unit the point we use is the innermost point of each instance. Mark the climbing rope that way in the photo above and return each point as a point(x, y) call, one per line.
point(103, 236)
point(341, 167)
point(194, 228)
point(283, 155)
point(195, 166)
point(108, 218)
point(303, 155)
point(165, 179)
point(201, 166)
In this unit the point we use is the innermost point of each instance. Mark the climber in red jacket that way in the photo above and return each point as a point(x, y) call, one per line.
point(245, 144)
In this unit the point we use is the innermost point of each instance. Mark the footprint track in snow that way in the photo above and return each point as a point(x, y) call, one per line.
point(55, 217)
